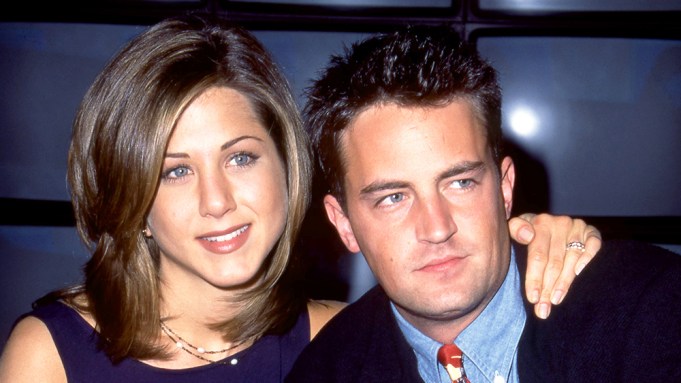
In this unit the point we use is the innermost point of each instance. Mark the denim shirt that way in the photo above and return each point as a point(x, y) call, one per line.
point(489, 344)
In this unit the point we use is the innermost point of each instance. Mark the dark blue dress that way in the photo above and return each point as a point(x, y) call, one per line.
point(268, 360)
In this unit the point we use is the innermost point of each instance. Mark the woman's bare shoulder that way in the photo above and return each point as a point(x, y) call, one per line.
point(30, 354)
point(321, 311)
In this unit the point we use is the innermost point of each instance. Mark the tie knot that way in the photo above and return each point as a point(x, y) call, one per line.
point(450, 354)
point(450, 358)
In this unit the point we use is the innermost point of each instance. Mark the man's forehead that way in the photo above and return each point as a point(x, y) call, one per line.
point(381, 121)
point(389, 138)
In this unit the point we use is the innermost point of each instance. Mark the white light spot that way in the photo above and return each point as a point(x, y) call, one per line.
point(524, 122)
point(233, 362)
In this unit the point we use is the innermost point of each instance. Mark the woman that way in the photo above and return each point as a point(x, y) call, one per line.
point(189, 174)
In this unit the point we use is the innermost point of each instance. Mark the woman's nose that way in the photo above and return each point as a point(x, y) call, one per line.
point(216, 196)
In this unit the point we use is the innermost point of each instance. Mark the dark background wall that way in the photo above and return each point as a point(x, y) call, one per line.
point(592, 96)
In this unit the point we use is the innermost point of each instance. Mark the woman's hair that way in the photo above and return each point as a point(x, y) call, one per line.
point(119, 139)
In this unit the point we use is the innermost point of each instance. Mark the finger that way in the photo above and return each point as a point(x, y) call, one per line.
point(563, 228)
point(537, 257)
point(566, 277)
point(592, 243)
point(570, 257)
point(527, 216)
point(521, 228)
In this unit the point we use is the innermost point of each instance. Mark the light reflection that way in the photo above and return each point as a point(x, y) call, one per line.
point(524, 122)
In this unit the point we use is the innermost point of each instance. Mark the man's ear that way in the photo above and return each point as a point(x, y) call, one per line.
point(341, 222)
point(507, 183)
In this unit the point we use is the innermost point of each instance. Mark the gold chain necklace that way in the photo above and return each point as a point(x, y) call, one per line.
point(189, 348)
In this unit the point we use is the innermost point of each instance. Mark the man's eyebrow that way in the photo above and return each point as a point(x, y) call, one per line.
point(458, 169)
point(224, 146)
point(378, 186)
point(462, 168)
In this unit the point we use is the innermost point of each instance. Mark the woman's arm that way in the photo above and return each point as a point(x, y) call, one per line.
point(551, 265)
point(30, 355)
point(321, 311)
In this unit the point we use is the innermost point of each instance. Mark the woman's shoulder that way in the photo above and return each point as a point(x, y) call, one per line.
point(65, 310)
point(320, 312)
point(30, 354)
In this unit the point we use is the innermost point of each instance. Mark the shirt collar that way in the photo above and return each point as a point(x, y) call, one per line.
point(489, 343)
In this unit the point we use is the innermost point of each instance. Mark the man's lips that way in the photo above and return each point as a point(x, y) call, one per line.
point(442, 264)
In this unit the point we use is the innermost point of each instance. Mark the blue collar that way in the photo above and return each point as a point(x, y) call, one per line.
point(489, 344)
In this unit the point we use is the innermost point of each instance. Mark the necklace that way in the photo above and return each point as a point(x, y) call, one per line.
point(189, 348)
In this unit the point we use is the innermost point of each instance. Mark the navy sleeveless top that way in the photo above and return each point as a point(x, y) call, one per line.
point(268, 360)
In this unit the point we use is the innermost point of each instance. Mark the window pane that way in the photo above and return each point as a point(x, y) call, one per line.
point(46, 68)
point(600, 115)
point(360, 3)
point(33, 262)
point(579, 5)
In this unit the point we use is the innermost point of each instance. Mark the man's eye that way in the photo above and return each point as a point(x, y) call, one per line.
point(392, 199)
point(463, 184)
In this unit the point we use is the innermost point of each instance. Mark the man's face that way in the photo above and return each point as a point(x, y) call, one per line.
point(426, 206)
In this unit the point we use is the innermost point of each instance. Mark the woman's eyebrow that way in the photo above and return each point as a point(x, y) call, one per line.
point(224, 146)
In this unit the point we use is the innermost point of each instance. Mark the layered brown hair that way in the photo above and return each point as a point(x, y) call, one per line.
point(119, 139)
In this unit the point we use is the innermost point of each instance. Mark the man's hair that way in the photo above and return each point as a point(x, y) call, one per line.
point(416, 66)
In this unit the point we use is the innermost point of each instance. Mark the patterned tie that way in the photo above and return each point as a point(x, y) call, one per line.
point(450, 357)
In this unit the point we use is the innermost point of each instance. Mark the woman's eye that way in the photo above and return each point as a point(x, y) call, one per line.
point(178, 172)
point(242, 159)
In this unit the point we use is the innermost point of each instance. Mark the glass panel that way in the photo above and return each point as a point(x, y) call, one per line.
point(302, 54)
point(44, 73)
point(160, 2)
point(360, 3)
point(579, 5)
point(599, 115)
point(33, 262)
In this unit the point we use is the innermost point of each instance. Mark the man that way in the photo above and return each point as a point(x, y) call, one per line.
point(407, 126)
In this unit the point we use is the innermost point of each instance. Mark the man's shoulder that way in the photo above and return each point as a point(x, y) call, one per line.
point(352, 346)
point(633, 265)
point(620, 268)
point(623, 274)
point(355, 320)
point(624, 303)
point(640, 251)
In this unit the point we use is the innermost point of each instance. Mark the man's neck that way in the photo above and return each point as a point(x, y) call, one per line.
point(444, 329)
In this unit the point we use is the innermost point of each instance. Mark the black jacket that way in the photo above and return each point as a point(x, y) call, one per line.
point(620, 322)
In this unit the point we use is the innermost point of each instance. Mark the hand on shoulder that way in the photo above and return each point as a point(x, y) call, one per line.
point(321, 311)
point(30, 354)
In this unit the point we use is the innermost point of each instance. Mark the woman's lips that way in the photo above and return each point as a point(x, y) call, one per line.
point(227, 241)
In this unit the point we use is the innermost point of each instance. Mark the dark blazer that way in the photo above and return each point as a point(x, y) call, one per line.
point(620, 322)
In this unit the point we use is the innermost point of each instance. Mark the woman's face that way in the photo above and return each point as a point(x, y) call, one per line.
point(222, 200)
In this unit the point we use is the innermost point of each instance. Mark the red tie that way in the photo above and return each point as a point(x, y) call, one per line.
point(450, 357)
